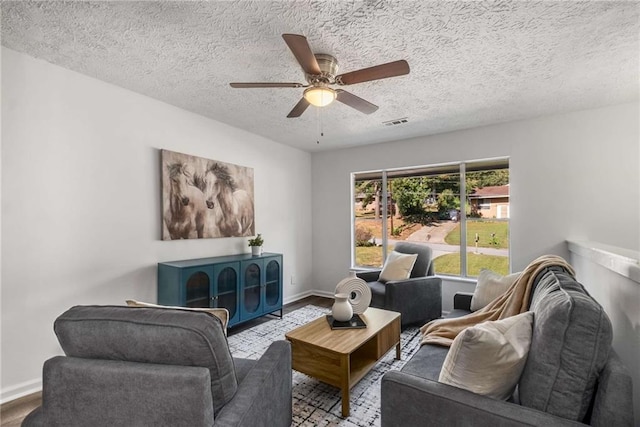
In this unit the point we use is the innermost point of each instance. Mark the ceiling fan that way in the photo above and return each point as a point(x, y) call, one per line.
point(320, 72)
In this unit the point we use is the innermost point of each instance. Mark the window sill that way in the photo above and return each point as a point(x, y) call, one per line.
point(453, 279)
point(458, 279)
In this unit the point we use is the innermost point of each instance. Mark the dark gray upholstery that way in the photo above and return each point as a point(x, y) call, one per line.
point(76, 392)
point(156, 367)
point(264, 397)
point(170, 337)
point(419, 298)
point(424, 263)
point(408, 400)
point(243, 366)
point(572, 376)
point(571, 341)
point(427, 362)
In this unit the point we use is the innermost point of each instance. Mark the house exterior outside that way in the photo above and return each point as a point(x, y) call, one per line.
point(491, 202)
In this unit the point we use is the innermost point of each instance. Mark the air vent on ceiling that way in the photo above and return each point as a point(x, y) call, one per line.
point(395, 122)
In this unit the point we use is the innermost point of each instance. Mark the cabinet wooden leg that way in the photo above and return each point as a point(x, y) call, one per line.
point(398, 351)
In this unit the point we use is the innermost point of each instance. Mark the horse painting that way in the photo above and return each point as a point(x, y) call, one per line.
point(235, 206)
point(187, 211)
point(204, 198)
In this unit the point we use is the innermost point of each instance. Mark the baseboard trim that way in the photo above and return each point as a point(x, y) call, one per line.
point(296, 297)
point(324, 294)
point(20, 390)
point(305, 294)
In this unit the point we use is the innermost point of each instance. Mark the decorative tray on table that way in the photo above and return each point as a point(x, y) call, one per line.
point(356, 322)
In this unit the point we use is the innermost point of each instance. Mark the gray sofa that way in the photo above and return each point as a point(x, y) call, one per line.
point(129, 366)
point(571, 377)
point(419, 298)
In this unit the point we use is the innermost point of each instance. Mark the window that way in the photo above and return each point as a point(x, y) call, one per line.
point(460, 210)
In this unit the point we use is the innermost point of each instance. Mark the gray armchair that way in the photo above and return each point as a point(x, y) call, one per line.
point(129, 366)
point(419, 298)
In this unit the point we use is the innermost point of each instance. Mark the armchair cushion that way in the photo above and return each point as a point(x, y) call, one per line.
point(398, 266)
point(424, 265)
point(149, 335)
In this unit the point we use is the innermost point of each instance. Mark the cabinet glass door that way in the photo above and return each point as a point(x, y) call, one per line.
point(197, 289)
point(251, 289)
point(226, 293)
point(272, 283)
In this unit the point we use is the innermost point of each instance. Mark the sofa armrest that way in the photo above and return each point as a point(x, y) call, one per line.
point(613, 404)
point(418, 299)
point(264, 396)
point(408, 400)
point(369, 276)
point(97, 392)
point(462, 301)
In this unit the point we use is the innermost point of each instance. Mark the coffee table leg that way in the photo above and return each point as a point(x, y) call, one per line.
point(398, 351)
point(345, 380)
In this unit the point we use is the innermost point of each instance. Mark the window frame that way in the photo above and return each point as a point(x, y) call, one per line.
point(478, 165)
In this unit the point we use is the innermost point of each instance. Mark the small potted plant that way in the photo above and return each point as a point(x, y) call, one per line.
point(256, 245)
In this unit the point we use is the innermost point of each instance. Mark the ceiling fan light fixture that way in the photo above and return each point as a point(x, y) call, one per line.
point(320, 96)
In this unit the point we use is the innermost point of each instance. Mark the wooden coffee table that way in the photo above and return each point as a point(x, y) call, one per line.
point(343, 357)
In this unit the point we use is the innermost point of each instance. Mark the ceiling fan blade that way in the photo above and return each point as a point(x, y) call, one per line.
point(383, 71)
point(255, 85)
point(301, 50)
point(355, 102)
point(299, 108)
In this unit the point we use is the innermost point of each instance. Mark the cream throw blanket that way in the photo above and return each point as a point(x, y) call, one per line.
point(514, 301)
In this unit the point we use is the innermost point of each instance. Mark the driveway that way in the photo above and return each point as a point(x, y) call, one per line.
point(434, 236)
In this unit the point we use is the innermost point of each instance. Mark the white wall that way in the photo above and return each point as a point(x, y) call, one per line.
point(81, 202)
point(619, 294)
point(572, 176)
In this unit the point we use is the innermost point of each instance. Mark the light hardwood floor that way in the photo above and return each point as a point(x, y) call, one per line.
point(12, 413)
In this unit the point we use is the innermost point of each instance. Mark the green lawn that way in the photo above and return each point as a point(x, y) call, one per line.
point(445, 264)
point(484, 230)
point(370, 256)
point(450, 264)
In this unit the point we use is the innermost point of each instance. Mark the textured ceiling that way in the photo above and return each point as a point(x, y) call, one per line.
point(472, 63)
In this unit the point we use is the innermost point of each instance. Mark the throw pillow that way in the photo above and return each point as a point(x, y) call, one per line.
point(490, 286)
point(488, 358)
point(220, 313)
point(398, 266)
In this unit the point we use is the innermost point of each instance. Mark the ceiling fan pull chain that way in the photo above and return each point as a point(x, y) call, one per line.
point(318, 122)
point(320, 128)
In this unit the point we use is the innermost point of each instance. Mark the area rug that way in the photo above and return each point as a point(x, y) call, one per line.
point(316, 403)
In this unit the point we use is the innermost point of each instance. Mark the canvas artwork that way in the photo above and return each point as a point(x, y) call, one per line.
point(203, 198)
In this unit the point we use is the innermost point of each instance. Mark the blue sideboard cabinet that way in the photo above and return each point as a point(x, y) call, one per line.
point(248, 286)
